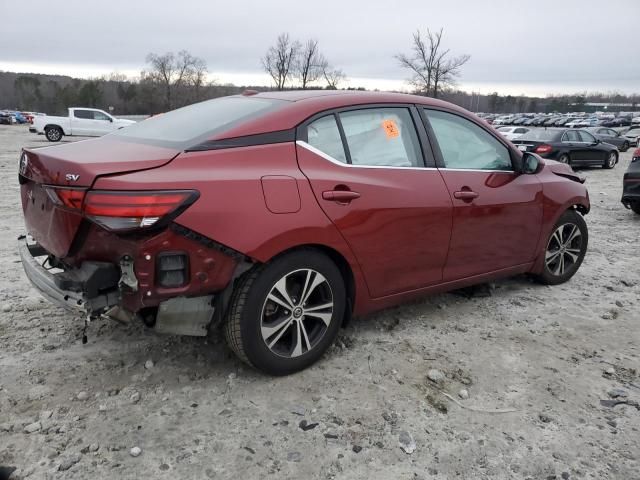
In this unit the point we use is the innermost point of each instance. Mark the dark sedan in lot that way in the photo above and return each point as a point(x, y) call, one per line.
point(609, 135)
point(631, 184)
point(566, 145)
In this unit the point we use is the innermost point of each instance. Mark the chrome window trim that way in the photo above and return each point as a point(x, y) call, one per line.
point(320, 153)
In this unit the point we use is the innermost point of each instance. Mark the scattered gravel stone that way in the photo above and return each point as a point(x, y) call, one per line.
point(164, 467)
point(612, 423)
point(82, 396)
point(298, 410)
point(305, 426)
point(294, 456)
point(135, 451)
point(149, 364)
point(618, 393)
point(135, 397)
point(463, 394)
point(94, 447)
point(619, 304)
point(102, 408)
point(610, 371)
point(33, 427)
point(69, 462)
point(544, 418)
point(565, 475)
point(6, 308)
point(45, 414)
point(356, 448)
point(435, 375)
point(406, 442)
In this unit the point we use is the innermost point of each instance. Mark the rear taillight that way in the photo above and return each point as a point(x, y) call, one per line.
point(123, 210)
point(70, 198)
point(131, 210)
point(544, 148)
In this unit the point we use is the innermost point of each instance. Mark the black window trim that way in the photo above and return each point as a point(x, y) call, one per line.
point(436, 146)
point(427, 154)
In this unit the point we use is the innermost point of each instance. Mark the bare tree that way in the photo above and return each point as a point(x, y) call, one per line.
point(279, 61)
point(310, 64)
point(431, 68)
point(446, 72)
point(333, 77)
point(176, 75)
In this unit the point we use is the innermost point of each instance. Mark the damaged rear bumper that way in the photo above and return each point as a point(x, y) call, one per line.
point(90, 289)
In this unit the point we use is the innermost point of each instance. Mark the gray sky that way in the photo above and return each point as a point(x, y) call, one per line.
point(534, 47)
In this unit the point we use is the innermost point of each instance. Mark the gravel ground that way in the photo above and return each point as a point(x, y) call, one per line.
point(534, 361)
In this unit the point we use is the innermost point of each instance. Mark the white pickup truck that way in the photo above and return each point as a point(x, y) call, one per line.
point(86, 122)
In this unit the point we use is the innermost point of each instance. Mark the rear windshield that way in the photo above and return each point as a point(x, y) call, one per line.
point(190, 125)
point(540, 135)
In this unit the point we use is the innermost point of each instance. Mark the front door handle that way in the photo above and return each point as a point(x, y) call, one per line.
point(340, 196)
point(466, 195)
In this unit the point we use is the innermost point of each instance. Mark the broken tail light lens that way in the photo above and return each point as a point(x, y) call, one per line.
point(119, 211)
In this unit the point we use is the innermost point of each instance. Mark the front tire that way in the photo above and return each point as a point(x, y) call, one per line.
point(53, 134)
point(565, 249)
point(635, 206)
point(625, 147)
point(610, 162)
point(285, 314)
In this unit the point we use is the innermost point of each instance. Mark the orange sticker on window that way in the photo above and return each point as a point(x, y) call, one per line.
point(391, 129)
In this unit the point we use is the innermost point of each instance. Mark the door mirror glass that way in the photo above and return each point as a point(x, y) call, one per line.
point(530, 163)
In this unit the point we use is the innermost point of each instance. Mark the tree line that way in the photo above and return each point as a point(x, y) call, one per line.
point(172, 80)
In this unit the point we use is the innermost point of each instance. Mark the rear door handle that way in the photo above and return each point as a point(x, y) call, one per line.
point(466, 195)
point(344, 196)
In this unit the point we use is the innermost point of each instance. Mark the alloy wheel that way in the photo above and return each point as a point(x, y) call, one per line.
point(296, 313)
point(611, 160)
point(563, 249)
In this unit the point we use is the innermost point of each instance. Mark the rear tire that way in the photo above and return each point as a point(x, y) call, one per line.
point(635, 206)
point(565, 249)
point(285, 314)
point(610, 162)
point(564, 158)
point(53, 134)
point(625, 147)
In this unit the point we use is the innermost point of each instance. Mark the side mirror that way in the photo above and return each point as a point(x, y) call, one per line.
point(530, 163)
point(110, 119)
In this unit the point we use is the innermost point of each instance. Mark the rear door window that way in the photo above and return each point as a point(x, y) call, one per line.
point(381, 137)
point(571, 136)
point(464, 145)
point(84, 114)
point(324, 135)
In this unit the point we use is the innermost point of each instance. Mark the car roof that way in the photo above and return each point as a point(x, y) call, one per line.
point(302, 104)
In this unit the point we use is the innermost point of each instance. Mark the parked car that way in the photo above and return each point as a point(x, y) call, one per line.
point(282, 214)
point(87, 122)
point(573, 123)
point(631, 184)
point(617, 122)
point(571, 146)
point(632, 134)
point(6, 118)
point(611, 137)
point(511, 133)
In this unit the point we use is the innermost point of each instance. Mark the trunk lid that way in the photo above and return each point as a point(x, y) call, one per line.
point(75, 165)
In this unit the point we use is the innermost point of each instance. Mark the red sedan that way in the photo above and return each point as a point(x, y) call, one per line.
point(281, 215)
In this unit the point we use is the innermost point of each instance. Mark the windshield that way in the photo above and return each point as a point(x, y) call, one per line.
point(186, 126)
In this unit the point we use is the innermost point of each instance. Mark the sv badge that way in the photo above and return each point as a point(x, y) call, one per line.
point(72, 177)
